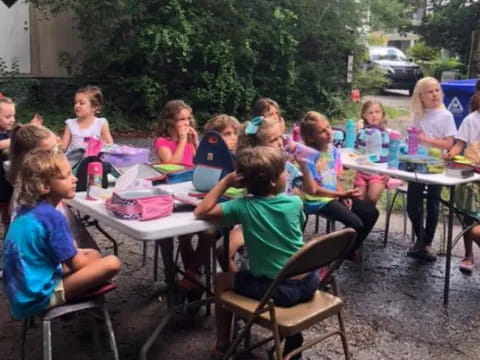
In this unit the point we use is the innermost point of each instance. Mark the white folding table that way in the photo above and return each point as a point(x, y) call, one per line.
point(179, 223)
point(350, 160)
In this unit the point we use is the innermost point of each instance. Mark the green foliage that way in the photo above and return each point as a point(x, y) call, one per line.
point(218, 55)
point(440, 64)
point(388, 15)
point(370, 82)
point(422, 52)
point(13, 86)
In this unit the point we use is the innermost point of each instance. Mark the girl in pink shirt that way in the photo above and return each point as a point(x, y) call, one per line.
point(177, 138)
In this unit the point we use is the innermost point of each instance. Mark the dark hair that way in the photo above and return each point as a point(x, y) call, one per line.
point(307, 126)
point(260, 166)
point(475, 102)
point(94, 95)
point(166, 119)
point(261, 105)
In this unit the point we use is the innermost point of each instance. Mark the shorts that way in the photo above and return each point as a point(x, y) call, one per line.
point(290, 292)
point(365, 178)
point(58, 296)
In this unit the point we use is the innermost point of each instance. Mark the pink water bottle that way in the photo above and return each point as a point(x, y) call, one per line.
point(412, 141)
point(94, 177)
point(296, 133)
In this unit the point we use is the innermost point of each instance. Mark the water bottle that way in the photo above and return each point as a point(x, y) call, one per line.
point(394, 150)
point(296, 133)
point(306, 154)
point(350, 134)
point(94, 177)
point(412, 141)
point(373, 146)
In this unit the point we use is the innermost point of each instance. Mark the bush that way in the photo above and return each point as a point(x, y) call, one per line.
point(370, 82)
point(422, 52)
point(437, 66)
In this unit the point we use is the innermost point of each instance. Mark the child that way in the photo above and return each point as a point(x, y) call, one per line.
point(177, 143)
point(437, 128)
point(227, 126)
point(271, 238)
point(266, 107)
point(371, 185)
point(177, 138)
point(42, 265)
point(468, 135)
point(88, 104)
point(323, 193)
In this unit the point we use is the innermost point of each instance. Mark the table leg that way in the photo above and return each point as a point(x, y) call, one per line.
point(449, 245)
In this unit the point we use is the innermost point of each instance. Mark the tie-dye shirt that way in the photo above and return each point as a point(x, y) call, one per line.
point(37, 243)
point(325, 173)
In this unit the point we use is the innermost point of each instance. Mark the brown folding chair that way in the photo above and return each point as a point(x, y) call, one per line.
point(321, 251)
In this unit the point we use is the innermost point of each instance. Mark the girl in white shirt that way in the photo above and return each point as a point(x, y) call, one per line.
point(438, 129)
point(88, 103)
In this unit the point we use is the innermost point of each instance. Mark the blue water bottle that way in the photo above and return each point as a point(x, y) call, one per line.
point(394, 150)
point(350, 134)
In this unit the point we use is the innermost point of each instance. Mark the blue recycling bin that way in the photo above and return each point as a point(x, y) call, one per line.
point(457, 97)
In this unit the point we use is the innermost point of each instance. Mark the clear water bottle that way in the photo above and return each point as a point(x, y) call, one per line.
point(350, 134)
point(412, 141)
point(373, 146)
point(94, 177)
point(394, 150)
point(305, 153)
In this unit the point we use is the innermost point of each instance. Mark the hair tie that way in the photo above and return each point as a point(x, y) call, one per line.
point(252, 128)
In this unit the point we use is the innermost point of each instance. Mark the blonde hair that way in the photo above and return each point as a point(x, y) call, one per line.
point(260, 137)
point(221, 122)
point(260, 166)
point(417, 104)
point(6, 100)
point(38, 168)
point(366, 105)
point(95, 96)
point(307, 126)
point(166, 120)
point(24, 139)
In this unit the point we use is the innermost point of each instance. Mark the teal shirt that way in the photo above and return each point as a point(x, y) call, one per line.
point(272, 228)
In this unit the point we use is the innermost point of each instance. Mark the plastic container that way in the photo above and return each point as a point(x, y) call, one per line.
point(373, 147)
point(296, 136)
point(394, 150)
point(457, 97)
point(412, 141)
point(350, 134)
point(94, 178)
point(306, 154)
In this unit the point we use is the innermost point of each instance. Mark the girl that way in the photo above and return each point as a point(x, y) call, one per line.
point(322, 191)
point(437, 128)
point(42, 265)
point(88, 103)
point(177, 138)
point(371, 185)
point(227, 126)
point(266, 107)
point(271, 238)
point(177, 143)
point(466, 195)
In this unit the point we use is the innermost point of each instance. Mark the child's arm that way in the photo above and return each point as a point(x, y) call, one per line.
point(209, 209)
point(66, 137)
point(164, 153)
point(106, 134)
point(445, 143)
point(4, 144)
point(455, 150)
point(80, 260)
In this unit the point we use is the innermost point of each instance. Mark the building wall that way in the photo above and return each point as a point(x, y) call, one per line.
point(50, 36)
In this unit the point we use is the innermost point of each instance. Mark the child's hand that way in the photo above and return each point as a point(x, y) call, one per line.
point(37, 120)
point(352, 193)
point(234, 179)
point(192, 136)
point(447, 156)
point(347, 202)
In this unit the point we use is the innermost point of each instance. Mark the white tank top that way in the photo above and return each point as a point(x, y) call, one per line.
point(78, 135)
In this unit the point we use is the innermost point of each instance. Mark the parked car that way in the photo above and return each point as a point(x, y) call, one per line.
point(402, 72)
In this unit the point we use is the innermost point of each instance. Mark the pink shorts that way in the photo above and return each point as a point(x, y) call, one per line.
point(364, 178)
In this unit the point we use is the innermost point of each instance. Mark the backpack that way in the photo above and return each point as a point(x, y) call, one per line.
point(213, 160)
point(81, 172)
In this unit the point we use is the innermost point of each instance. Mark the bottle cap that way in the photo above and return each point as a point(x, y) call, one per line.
point(95, 168)
point(395, 135)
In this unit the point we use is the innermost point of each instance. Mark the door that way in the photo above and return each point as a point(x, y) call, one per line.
point(15, 35)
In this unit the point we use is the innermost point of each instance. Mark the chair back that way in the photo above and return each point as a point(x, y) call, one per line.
point(318, 252)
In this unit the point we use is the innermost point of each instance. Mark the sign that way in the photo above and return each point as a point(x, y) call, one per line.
point(455, 107)
point(9, 3)
point(349, 69)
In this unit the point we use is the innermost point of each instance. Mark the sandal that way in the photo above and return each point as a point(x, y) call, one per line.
point(466, 266)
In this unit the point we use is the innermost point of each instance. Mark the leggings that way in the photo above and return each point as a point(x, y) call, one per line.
point(362, 217)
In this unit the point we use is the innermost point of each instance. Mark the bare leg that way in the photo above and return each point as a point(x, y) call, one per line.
point(363, 192)
point(90, 276)
point(374, 192)
point(469, 238)
point(223, 318)
point(236, 242)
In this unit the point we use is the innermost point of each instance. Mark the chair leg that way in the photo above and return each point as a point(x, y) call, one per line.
point(144, 253)
point(47, 340)
point(111, 334)
point(387, 220)
point(342, 335)
point(317, 223)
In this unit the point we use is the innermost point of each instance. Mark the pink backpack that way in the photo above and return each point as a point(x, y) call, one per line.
point(140, 205)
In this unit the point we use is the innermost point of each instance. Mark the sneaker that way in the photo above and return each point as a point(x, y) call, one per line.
point(466, 266)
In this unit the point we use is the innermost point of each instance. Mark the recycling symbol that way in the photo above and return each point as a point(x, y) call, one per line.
point(455, 106)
